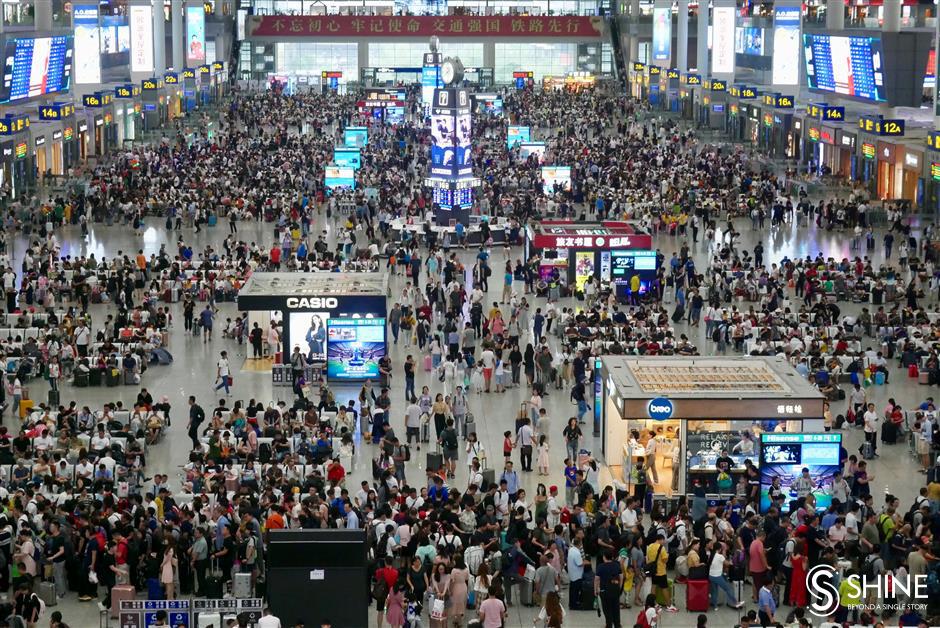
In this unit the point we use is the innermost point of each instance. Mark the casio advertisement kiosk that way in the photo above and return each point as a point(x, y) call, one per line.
point(336, 319)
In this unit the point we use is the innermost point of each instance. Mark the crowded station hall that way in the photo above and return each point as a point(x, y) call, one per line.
point(264, 263)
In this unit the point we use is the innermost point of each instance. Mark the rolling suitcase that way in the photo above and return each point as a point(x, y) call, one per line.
point(469, 426)
point(113, 377)
point(241, 585)
point(428, 363)
point(587, 590)
point(435, 461)
point(47, 594)
point(489, 479)
point(425, 432)
point(94, 377)
point(81, 379)
point(889, 433)
point(120, 593)
point(867, 452)
point(54, 398)
point(923, 377)
point(696, 596)
point(525, 592)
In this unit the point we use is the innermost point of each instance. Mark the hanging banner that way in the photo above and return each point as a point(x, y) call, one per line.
point(141, 23)
point(195, 36)
point(786, 53)
point(662, 34)
point(723, 40)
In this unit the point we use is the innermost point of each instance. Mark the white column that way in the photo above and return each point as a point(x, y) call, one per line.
point(489, 54)
point(178, 40)
point(701, 48)
point(835, 14)
point(891, 23)
point(682, 36)
point(43, 15)
point(362, 59)
point(159, 39)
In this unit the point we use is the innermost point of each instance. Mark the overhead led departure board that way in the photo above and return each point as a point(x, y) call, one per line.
point(847, 65)
point(34, 66)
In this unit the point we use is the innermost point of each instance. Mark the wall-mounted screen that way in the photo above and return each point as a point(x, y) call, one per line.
point(442, 140)
point(786, 57)
point(723, 19)
point(195, 36)
point(749, 40)
point(784, 456)
point(662, 34)
point(845, 64)
point(339, 177)
point(556, 178)
point(532, 148)
point(354, 347)
point(87, 45)
point(517, 134)
point(35, 66)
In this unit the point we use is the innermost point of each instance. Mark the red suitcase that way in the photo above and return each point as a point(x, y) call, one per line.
point(120, 593)
point(696, 596)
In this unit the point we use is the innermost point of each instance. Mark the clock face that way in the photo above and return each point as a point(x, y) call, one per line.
point(447, 72)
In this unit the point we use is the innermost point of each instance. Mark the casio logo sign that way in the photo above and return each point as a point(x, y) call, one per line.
point(312, 302)
point(659, 409)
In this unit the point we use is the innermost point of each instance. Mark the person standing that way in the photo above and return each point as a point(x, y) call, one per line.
point(223, 374)
point(409, 377)
point(757, 562)
point(206, 317)
point(767, 607)
point(257, 342)
point(871, 420)
point(657, 556)
point(196, 416)
point(525, 441)
point(576, 564)
point(608, 584)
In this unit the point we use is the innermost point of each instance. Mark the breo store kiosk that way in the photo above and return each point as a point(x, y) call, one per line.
point(609, 251)
point(684, 412)
point(337, 319)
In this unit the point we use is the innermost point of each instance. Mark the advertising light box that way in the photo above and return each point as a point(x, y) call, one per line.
point(141, 29)
point(339, 177)
point(354, 348)
point(749, 40)
point(532, 148)
point(516, 134)
point(195, 36)
point(784, 456)
point(723, 40)
point(786, 57)
point(662, 34)
point(87, 45)
point(350, 157)
point(355, 136)
point(556, 177)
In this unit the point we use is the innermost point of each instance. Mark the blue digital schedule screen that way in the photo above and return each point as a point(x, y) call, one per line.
point(848, 65)
point(350, 157)
point(516, 134)
point(784, 456)
point(354, 347)
point(356, 136)
point(35, 66)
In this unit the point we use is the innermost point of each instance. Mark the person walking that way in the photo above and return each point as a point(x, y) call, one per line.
point(196, 416)
point(608, 584)
point(717, 566)
point(223, 374)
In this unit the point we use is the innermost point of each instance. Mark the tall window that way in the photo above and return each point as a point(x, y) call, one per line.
point(310, 58)
point(411, 54)
point(541, 59)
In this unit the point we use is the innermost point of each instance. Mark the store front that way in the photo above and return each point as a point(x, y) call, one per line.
point(932, 173)
point(734, 123)
point(57, 154)
point(337, 320)
point(84, 139)
point(681, 418)
point(812, 153)
point(912, 180)
point(39, 151)
point(886, 169)
point(611, 252)
point(829, 153)
point(845, 145)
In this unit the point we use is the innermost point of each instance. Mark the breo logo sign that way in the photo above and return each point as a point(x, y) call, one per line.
point(313, 302)
point(659, 409)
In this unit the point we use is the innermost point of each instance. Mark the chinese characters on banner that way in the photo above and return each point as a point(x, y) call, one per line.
point(540, 27)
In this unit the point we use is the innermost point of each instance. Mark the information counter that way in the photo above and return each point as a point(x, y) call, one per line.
point(689, 419)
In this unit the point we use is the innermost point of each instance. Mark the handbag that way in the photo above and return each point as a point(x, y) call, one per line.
point(437, 609)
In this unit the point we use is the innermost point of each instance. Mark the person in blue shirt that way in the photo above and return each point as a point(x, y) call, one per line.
point(437, 494)
point(512, 480)
point(766, 606)
point(460, 230)
point(571, 481)
point(205, 320)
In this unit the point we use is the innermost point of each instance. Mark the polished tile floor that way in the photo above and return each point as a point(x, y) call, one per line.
point(193, 372)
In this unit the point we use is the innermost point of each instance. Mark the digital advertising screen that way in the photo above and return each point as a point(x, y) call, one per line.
point(623, 265)
point(556, 178)
point(87, 45)
point(308, 331)
point(354, 347)
point(532, 148)
point(785, 456)
point(848, 65)
point(662, 34)
point(749, 40)
point(36, 66)
point(442, 140)
point(350, 157)
point(141, 29)
point(336, 177)
point(430, 79)
point(583, 268)
point(355, 136)
point(195, 36)
point(516, 134)
point(463, 128)
point(491, 105)
point(930, 73)
point(723, 40)
point(786, 58)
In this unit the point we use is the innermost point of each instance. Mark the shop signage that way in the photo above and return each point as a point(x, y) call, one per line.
point(827, 136)
point(56, 110)
point(935, 171)
point(733, 109)
point(822, 111)
point(20, 150)
point(634, 241)
point(672, 73)
point(693, 79)
point(312, 302)
point(82, 127)
point(638, 67)
point(868, 150)
point(846, 140)
point(8, 152)
point(450, 26)
point(56, 135)
point(68, 133)
point(331, 74)
point(789, 409)
point(912, 160)
point(813, 134)
point(40, 140)
point(659, 409)
point(933, 140)
point(768, 119)
point(886, 152)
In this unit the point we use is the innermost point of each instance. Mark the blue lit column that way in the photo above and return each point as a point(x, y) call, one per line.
point(451, 174)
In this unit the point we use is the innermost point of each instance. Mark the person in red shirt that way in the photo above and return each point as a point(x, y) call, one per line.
point(275, 520)
point(390, 576)
point(335, 472)
point(275, 256)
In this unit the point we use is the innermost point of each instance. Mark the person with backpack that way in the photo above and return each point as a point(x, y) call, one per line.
point(384, 580)
point(449, 444)
point(28, 605)
point(649, 616)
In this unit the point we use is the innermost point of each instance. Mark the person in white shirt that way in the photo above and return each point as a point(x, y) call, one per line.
point(100, 441)
point(268, 620)
point(871, 428)
point(223, 374)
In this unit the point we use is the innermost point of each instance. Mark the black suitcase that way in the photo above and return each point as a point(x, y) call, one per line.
point(889, 433)
point(435, 461)
point(113, 377)
point(489, 479)
point(54, 398)
point(587, 590)
point(213, 588)
point(81, 379)
point(94, 377)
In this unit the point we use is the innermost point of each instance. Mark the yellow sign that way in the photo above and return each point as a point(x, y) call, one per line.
point(748, 92)
point(719, 86)
point(933, 140)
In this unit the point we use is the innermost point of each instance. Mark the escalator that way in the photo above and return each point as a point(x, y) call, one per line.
point(619, 65)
